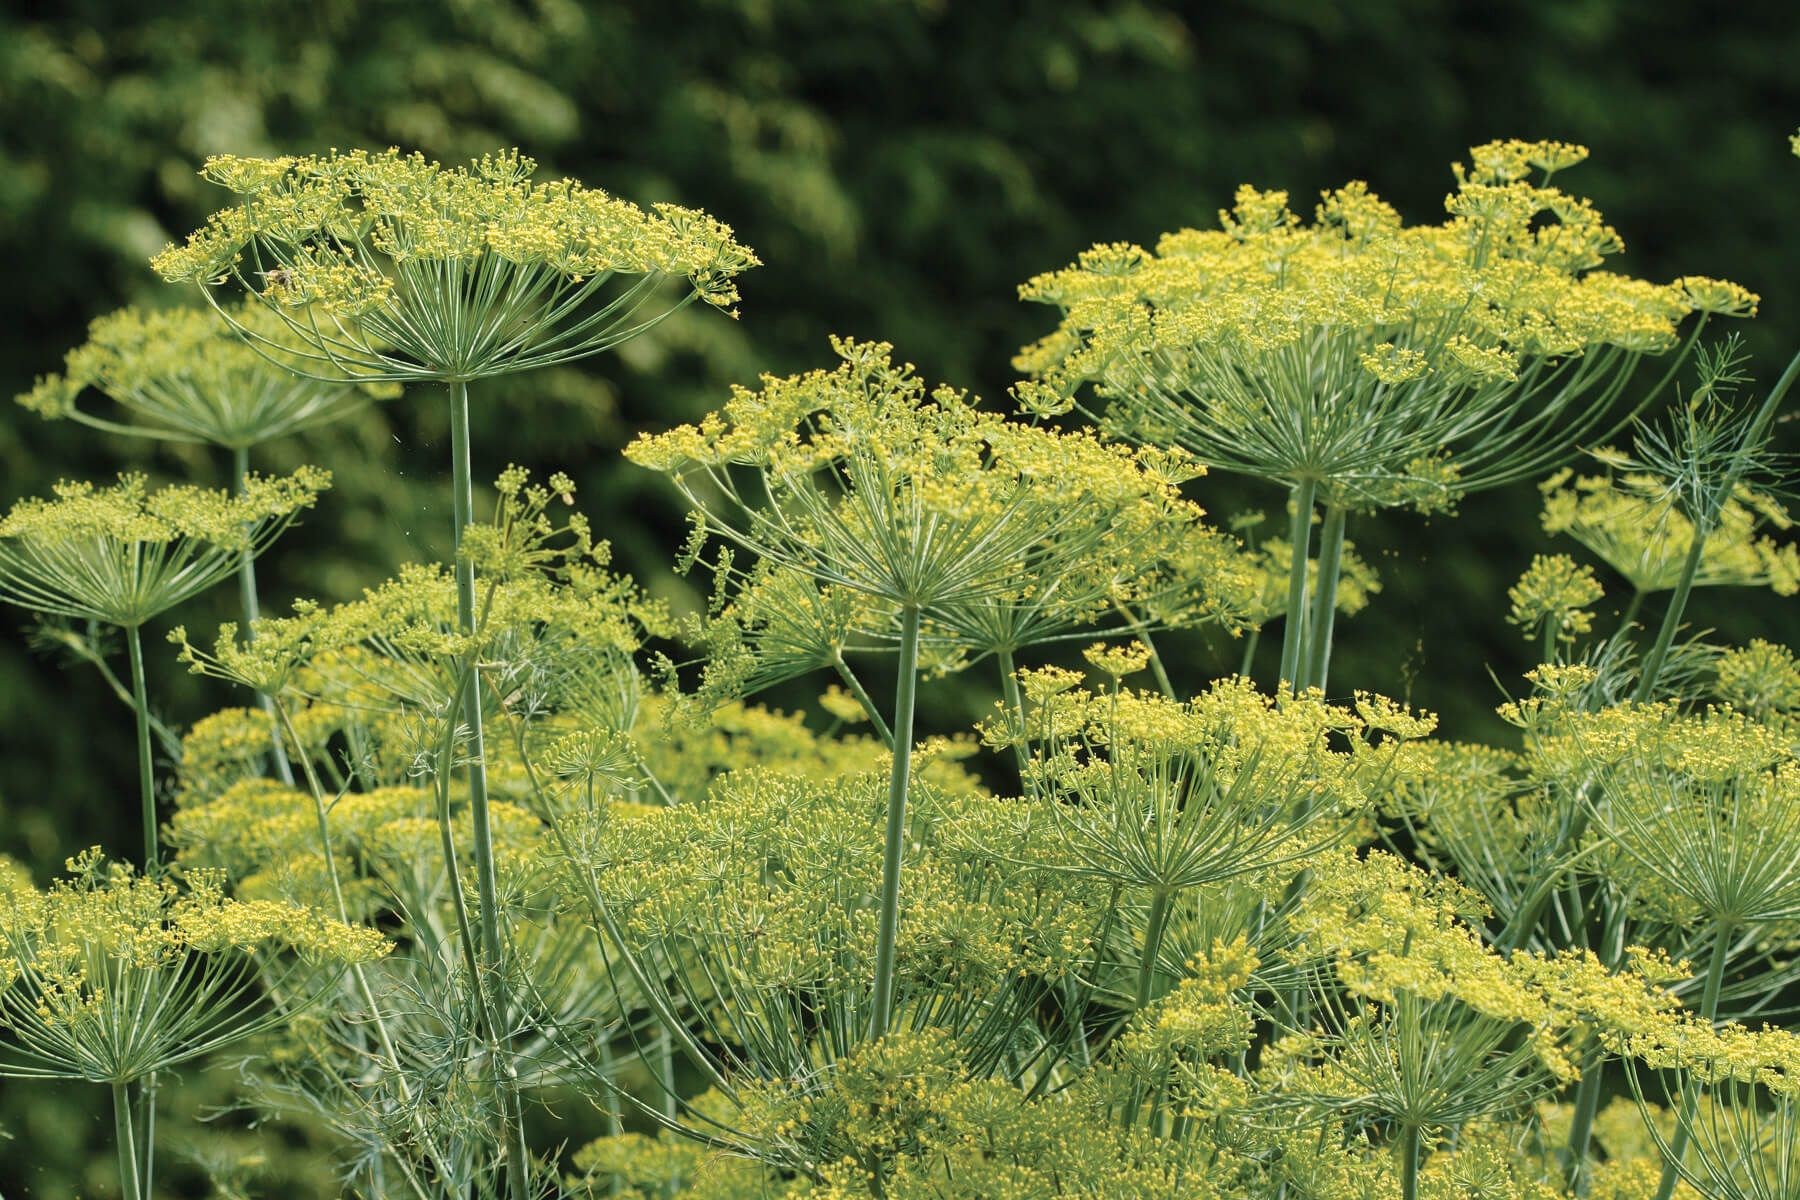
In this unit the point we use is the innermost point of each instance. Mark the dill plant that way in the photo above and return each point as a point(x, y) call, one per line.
point(386, 268)
point(928, 508)
point(1218, 942)
point(1362, 363)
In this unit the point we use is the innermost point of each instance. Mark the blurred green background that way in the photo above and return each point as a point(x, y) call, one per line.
point(900, 166)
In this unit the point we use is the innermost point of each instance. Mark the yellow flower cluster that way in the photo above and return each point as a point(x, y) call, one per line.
point(1352, 351)
point(114, 975)
point(1001, 533)
point(190, 376)
point(1633, 524)
point(1551, 598)
point(123, 554)
point(331, 211)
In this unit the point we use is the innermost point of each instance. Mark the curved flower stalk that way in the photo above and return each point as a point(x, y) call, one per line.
point(124, 554)
point(924, 505)
point(1360, 362)
point(111, 976)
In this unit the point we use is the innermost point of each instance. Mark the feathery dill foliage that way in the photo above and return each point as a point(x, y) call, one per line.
point(1208, 940)
point(388, 267)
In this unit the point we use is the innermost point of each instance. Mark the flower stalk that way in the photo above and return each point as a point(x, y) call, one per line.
point(893, 848)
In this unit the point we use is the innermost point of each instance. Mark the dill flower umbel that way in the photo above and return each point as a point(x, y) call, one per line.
point(1633, 524)
point(114, 975)
point(123, 554)
point(1357, 352)
point(389, 267)
point(185, 375)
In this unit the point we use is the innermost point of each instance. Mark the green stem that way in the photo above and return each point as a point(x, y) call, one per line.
point(392, 1061)
point(1009, 686)
point(905, 690)
point(1294, 628)
point(1581, 1127)
point(1690, 566)
point(1690, 1100)
point(615, 1124)
point(1153, 939)
point(671, 1104)
point(1324, 616)
point(862, 698)
point(130, 1185)
point(1409, 1163)
point(1249, 652)
point(147, 1097)
point(487, 887)
point(250, 610)
point(140, 703)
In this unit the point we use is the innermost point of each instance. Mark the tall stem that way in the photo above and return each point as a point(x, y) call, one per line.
point(1409, 1163)
point(881, 1019)
point(1581, 1127)
point(140, 702)
point(1324, 615)
point(147, 1098)
point(1690, 1099)
point(487, 887)
point(1294, 628)
point(1153, 939)
point(130, 1185)
point(250, 610)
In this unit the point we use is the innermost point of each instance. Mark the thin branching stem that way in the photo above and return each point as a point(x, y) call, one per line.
point(250, 611)
point(862, 697)
point(1690, 1099)
point(1705, 518)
